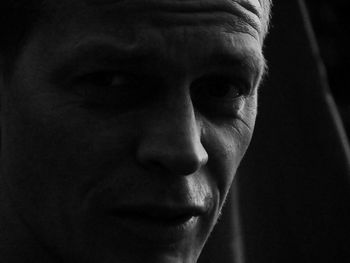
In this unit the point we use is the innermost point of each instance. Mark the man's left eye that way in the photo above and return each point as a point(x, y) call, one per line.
point(220, 95)
point(226, 91)
point(220, 88)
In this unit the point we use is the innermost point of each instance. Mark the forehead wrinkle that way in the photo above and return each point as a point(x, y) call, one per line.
point(246, 11)
point(248, 14)
point(260, 8)
point(249, 6)
point(102, 2)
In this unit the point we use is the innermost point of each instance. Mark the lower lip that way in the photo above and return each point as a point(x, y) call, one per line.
point(159, 232)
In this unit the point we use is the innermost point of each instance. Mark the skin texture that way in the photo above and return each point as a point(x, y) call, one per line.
point(119, 113)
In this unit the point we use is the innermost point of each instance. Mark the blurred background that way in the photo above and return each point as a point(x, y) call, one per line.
point(331, 26)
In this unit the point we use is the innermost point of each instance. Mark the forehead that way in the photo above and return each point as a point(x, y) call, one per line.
point(255, 3)
point(196, 32)
point(127, 18)
point(236, 14)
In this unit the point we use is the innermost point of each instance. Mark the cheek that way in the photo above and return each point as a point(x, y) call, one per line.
point(226, 144)
point(54, 146)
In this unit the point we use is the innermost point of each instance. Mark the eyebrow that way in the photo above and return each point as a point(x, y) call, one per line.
point(83, 56)
point(242, 62)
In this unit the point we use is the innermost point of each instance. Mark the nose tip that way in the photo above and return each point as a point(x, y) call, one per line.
point(181, 155)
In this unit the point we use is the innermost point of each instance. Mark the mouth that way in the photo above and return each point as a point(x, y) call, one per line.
point(161, 225)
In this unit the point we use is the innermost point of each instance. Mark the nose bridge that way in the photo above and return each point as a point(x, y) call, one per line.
point(172, 138)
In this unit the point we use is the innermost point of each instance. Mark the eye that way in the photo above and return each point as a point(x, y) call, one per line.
point(109, 90)
point(220, 88)
point(219, 95)
point(223, 90)
point(106, 79)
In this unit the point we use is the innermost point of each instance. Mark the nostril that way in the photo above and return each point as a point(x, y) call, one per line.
point(173, 158)
point(184, 163)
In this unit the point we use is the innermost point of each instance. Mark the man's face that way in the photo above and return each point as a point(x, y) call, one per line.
point(124, 123)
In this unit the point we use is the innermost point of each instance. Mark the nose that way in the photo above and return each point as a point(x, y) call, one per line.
point(171, 141)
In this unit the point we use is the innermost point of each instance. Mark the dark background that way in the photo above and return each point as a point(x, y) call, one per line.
point(330, 21)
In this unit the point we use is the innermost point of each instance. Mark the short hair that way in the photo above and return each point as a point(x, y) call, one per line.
point(19, 17)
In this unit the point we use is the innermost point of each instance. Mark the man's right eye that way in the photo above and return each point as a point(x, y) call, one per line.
point(106, 79)
point(107, 89)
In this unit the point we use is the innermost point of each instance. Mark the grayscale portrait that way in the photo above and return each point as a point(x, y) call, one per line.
point(123, 123)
